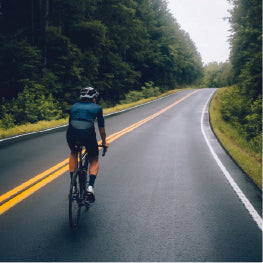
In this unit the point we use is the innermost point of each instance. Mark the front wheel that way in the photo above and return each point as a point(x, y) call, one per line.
point(74, 203)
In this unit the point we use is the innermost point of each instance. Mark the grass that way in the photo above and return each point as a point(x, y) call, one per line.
point(237, 146)
point(26, 128)
point(42, 125)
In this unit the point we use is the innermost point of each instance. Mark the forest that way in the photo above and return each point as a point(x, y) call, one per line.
point(242, 105)
point(49, 49)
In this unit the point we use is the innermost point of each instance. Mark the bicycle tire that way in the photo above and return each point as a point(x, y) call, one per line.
point(74, 203)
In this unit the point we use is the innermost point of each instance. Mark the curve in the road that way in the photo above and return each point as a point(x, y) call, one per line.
point(256, 217)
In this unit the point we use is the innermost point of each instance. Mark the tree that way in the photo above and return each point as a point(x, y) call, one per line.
point(243, 103)
point(217, 75)
point(115, 46)
point(246, 42)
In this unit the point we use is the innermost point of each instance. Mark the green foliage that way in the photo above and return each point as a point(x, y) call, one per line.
point(133, 96)
point(31, 105)
point(115, 46)
point(89, 34)
point(7, 121)
point(150, 91)
point(63, 57)
point(245, 115)
point(246, 40)
point(217, 75)
point(147, 91)
point(247, 154)
point(18, 60)
point(241, 105)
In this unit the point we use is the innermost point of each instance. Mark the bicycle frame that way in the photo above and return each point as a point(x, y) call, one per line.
point(78, 187)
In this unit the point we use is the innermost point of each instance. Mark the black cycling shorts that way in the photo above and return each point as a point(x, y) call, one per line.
point(83, 137)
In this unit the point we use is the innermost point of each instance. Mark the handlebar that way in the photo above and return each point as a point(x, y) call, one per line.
point(104, 149)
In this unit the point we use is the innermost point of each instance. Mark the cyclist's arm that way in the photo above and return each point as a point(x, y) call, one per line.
point(103, 135)
point(100, 118)
point(102, 128)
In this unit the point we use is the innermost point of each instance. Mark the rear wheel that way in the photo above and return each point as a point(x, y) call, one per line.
point(74, 203)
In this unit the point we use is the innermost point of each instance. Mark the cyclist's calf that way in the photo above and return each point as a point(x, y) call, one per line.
point(73, 161)
point(93, 165)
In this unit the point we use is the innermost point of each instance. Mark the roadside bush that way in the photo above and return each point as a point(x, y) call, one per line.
point(31, 106)
point(147, 91)
point(7, 121)
point(150, 91)
point(133, 96)
point(253, 123)
point(233, 106)
point(243, 114)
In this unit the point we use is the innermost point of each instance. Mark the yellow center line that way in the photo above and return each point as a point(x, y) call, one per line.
point(19, 193)
point(116, 135)
point(32, 181)
point(18, 198)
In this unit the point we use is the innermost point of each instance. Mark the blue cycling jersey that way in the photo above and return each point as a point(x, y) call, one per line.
point(86, 111)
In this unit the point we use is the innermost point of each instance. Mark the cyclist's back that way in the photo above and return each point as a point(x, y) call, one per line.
point(81, 130)
point(86, 112)
point(81, 121)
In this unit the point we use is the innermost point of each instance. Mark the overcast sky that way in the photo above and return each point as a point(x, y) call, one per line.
point(203, 20)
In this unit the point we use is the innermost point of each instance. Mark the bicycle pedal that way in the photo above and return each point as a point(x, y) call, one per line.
point(90, 198)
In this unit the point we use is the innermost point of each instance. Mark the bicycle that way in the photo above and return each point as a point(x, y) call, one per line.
point(77, 192)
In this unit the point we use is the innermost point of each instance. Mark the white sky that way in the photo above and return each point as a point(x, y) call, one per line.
point(203, 20)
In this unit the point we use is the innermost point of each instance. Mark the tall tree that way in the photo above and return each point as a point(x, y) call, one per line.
point(114, 45)
point(246, 41)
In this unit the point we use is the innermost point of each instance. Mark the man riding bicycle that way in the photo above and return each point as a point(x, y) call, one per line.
point(81, 131)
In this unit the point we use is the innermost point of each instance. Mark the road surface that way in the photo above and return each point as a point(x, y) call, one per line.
point(160, 193)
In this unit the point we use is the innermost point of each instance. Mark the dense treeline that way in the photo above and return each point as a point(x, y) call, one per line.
point(246, 41)
point(51, 48)
point(217, 75)
point(242, 105)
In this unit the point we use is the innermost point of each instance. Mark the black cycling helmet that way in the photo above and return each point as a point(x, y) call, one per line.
point(88, 93)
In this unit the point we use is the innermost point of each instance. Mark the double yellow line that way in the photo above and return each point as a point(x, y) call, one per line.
point(116, 135)
point(19, 193)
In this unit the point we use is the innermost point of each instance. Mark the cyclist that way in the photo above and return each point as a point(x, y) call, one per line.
point(81, 130)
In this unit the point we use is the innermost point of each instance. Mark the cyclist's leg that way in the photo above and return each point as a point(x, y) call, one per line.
point(73, 161)
point(71, 140)
point(93, 153)
point(93, 169)
point(94, 165)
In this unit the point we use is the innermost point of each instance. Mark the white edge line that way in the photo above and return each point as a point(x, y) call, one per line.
point(65, 125)
point(30, 133)
point(231, 181)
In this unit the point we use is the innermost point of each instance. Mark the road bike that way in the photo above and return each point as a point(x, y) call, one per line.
point(78, 192)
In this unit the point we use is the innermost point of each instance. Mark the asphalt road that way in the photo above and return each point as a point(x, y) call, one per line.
point(160, 195)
